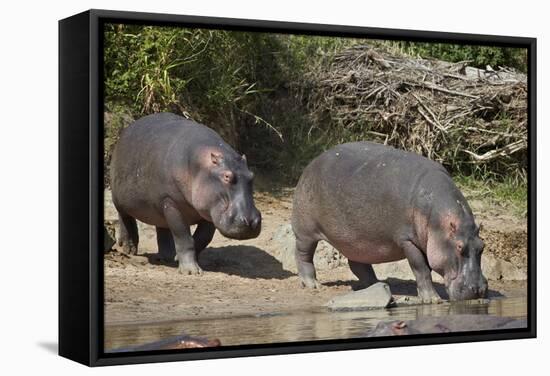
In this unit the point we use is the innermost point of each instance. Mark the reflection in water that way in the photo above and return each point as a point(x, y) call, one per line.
point(301, 326)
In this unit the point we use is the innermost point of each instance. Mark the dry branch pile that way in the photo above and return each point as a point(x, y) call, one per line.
point(464, 117)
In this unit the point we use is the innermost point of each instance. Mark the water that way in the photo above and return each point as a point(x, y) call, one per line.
point(317, 324)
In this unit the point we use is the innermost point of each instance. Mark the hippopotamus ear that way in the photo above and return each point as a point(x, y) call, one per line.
point(243, 157)
point(216, 158)
point(452, 228)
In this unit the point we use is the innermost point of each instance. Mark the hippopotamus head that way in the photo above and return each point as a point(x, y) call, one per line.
point(222, 194)
point(460, 259)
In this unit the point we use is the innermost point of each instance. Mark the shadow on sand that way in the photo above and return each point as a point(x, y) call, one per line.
point(242, 260)
point(405, 287)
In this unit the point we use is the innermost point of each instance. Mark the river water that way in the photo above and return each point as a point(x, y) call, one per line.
point(317, 324)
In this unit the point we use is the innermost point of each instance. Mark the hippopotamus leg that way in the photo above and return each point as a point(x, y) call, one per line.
point(305, 250)
point(422, 272)
point(165, 242)
point(128, 235)
point(203, 235)
point(185, 245)
point(364, 272)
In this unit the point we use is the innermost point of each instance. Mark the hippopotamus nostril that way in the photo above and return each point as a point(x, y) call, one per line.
point(479, 291)
point(244, 220)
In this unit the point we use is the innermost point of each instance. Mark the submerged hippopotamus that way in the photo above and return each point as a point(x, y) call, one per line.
point(172, 173)
point(377, 204)
point(172, 343)
point(445, 324)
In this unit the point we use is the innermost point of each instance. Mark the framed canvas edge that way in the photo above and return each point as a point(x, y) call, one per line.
point(95, 202)
point(74, 277)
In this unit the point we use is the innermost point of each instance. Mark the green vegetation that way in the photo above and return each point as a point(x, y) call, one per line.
point(479, 56)
point(508, 193)
point(251, 88)
point(238, 83)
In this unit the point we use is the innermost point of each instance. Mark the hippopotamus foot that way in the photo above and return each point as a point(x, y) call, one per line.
point(129, 249)
point(305, 249)
point(364, 272)
point(128, 235)
point(430, 298)
point(187, 262)
point(306, 271)
point(422, 272)
point(189, 268)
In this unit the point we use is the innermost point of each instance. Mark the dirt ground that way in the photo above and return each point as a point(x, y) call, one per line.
point(245, 277)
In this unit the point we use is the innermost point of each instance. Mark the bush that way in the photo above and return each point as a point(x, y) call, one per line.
point(478, 56)
point(247, 86)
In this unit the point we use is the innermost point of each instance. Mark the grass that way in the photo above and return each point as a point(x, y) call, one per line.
point(509, 193)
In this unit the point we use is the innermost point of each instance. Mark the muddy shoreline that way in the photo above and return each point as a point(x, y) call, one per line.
point(249, 278)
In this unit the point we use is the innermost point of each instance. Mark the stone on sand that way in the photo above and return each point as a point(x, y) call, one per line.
point(377, 295)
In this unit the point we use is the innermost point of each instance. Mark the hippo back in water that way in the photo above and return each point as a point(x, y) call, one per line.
point(378, 204)
point(445, 324)
point(171, 343)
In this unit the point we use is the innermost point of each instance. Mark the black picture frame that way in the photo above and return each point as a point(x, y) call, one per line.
point(81, 182)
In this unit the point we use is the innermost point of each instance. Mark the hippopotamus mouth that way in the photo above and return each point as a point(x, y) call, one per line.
point(241, 232)
point(239, 225)
point(458, 289)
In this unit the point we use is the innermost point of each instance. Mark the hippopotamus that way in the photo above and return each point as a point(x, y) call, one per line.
point(377, 204)
point(172, 173)
point(172, 343)
point(445, 324)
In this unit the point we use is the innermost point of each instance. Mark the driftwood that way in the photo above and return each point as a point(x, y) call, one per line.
point(450, 112)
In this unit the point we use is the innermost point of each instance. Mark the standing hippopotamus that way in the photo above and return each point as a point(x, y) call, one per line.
point(377, 204)
point(172, 173)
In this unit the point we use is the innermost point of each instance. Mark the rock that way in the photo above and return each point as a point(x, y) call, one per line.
point(497, 269)
point(407, 300)
point(377, 295)
point(400, 270)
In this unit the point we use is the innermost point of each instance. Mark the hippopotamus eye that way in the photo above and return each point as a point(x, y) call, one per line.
point(228, 177)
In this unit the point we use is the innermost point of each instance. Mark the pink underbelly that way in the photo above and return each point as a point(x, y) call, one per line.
point(150, 217)
point(369, 252)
